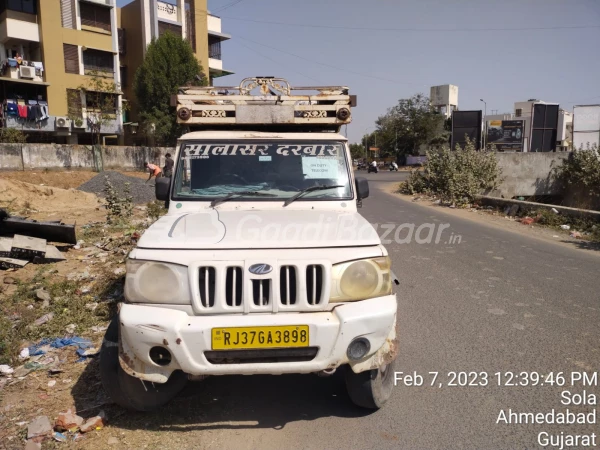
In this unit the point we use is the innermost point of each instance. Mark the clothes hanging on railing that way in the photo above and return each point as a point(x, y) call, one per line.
point(12, 108)
point(30, 111)
point(23, 111)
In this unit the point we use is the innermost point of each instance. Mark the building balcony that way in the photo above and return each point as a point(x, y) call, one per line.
point(46, 125)
point(51, 125)
point(110, 127)
point(20, 26)
point(215, 68)
point(214, 28)
point(215, 64)
point(10, 70)
point(168, 12)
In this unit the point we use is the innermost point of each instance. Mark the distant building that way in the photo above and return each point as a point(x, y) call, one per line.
point(49, 47)
point(525, 110)
point(444, 99)
point(145, 20)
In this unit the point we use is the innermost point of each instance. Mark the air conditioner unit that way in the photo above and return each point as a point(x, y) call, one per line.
point(27, 72)
point(82, 125)
point(63, 122)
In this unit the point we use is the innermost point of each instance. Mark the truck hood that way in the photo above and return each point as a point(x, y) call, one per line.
point(219, 229)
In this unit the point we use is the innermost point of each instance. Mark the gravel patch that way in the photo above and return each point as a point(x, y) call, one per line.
point(140, 191)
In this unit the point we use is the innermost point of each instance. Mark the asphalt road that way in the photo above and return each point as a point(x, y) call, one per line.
point(491, 301)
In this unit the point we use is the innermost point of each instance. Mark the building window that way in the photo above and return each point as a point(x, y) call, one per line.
point(124, 76)
point(71, 58)
point(163, 27)
point(518, 112)
point(214, 48)
point(101, 103)
point(95, 16)
point(67, 14)
point(122, 39)
point(98, 61)
point(26, 6)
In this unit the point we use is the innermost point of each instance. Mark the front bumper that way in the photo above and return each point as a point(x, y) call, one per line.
point(188, 338)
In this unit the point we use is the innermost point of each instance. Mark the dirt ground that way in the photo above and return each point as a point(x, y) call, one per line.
point(51, 203)
point(52, 195)
point(496, 219)
point(96, 268)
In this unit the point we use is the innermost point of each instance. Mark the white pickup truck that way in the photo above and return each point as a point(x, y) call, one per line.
point(262, 264)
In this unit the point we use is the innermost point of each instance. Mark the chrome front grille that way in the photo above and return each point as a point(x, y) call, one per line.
point(206, 285)
point(228, 287)
point(234, 286)
point(314, 284)
point(261, 292)
point(288, 288)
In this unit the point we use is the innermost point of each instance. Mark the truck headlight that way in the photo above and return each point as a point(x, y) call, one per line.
point(156, 282)
point(361, 279)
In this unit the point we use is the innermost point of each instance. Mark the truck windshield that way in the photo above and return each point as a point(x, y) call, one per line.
point(211, 170)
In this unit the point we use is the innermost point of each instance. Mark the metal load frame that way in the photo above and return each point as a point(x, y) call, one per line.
point(278, 106)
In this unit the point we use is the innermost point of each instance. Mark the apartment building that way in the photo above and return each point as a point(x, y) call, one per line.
point(215, 37)
point(48, 49)
point(145, 20)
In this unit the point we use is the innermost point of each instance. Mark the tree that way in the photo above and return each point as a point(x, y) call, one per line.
point(169, 64)
point(408, 125)
point(101, 95)
point(357, 151)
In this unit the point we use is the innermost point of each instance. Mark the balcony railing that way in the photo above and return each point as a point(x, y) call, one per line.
point(100, 71)
point(47, 124)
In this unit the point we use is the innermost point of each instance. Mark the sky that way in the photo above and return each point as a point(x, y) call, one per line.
point(384, 50)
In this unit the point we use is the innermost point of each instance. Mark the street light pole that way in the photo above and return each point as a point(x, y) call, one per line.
point(484, 122)
point(366, 143)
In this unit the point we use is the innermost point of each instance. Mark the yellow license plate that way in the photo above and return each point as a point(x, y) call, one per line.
point(260, 337)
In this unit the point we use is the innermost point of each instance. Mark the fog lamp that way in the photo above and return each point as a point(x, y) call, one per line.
point(358, 348)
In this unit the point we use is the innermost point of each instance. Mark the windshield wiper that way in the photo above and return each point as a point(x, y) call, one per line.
point(310, 189)
point(218, 201)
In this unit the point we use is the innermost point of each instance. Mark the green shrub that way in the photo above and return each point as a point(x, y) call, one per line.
point(581, 171)
point(456, 177)
point(415, 183)
point(12, 136)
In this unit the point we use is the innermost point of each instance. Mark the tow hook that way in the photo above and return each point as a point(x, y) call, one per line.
point(326, 372)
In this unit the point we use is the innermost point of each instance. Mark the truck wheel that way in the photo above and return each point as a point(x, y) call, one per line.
point(372, 388)
point(127, 391)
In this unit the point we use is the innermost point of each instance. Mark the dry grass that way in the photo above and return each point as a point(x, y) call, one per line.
point(68, 306)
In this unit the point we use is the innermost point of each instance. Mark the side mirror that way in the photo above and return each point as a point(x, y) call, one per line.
point(362, 188)
point(161, 188)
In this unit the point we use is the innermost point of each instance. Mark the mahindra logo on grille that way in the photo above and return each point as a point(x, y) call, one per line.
point(260, 269)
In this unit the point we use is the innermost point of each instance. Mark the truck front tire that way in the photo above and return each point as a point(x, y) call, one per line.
point(131, 392)
point(372, 388)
